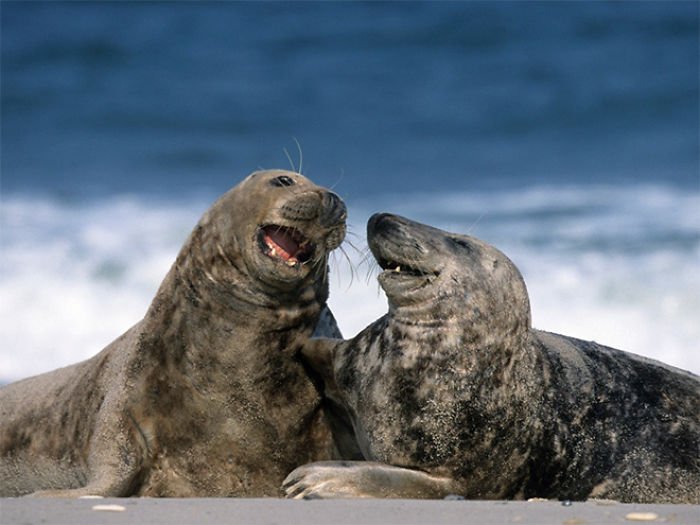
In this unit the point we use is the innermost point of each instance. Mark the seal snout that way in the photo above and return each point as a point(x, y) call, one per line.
point(397, 248)
point(395, 226)
point(376, 221)
point(306, 222)
point(333, 210)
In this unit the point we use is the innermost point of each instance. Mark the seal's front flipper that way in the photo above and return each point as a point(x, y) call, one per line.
point(318, 353)
point(364, 479)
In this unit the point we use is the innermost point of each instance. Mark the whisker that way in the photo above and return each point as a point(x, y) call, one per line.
point(373, 269)
point(350, 264)
point(476, 222)
point(338, 180)
point(339, 261)
point(367, 260)
point(289, 158)
point(372, 275)
point(301, 156)
point(355, 248)
point(351, 233)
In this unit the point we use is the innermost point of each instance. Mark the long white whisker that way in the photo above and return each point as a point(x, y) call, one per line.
point(372, 267)
point(301, 155)
point(289, 158)
point(342, 175)
point(357, 250)
point(476, 222)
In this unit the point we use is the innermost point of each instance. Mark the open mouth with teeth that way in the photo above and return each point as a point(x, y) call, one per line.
point(394, 267)
point(285, 244)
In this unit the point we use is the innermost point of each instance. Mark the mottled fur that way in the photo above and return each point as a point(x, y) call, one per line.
point(205, 396)
point(454, 384)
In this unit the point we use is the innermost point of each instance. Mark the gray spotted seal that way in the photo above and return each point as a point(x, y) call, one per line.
point(453, 392)
point(205, 395)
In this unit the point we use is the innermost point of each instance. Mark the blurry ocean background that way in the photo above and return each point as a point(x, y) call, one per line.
point(566, 134)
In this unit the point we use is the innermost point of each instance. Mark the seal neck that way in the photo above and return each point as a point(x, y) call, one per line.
point(192, 332)
point(192, 296)
point(212, 274)
point(449, 325)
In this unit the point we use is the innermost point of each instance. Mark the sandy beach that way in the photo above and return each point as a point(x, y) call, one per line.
point(336, 512)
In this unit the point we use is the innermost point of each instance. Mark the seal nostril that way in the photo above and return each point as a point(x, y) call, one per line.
point(334, 210)
point(331, 200)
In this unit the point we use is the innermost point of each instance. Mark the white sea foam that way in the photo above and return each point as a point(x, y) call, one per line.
point(617, 265)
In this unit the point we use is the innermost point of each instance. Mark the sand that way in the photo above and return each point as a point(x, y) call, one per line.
point(335, 512)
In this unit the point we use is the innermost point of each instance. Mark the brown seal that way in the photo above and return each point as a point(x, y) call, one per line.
point(204, 396)
point(453, 392)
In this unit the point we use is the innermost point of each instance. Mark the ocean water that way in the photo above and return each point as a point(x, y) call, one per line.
point(566, 134)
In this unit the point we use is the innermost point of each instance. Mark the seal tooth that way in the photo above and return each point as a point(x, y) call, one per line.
point(291, 262)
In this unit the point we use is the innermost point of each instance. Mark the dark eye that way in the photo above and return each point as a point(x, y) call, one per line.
point(462, 244)
point(282, 181)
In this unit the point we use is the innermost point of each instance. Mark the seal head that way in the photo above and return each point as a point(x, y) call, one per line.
point(429, 275)
point(275, 230)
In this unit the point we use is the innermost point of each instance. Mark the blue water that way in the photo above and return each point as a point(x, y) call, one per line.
point(565, 133)
point(168, 97)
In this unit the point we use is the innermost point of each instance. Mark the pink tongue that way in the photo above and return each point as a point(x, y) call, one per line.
point(287, 246)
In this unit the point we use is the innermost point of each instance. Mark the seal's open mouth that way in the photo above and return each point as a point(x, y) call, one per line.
point(285, 244)
point(403, 268)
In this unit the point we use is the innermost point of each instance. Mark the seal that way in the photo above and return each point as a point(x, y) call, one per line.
point(453, 393)
point(205, 396)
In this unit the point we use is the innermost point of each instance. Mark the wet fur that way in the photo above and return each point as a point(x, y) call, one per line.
point(204, 396)
point(454, 383)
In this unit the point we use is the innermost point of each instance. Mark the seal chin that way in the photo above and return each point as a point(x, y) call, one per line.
point(285, 245)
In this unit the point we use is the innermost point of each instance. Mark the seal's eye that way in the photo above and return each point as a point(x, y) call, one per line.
point(462, 244)
point(282, 181)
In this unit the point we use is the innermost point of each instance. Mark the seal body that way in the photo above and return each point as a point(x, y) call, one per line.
point(453, 392)
point(204, 396)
